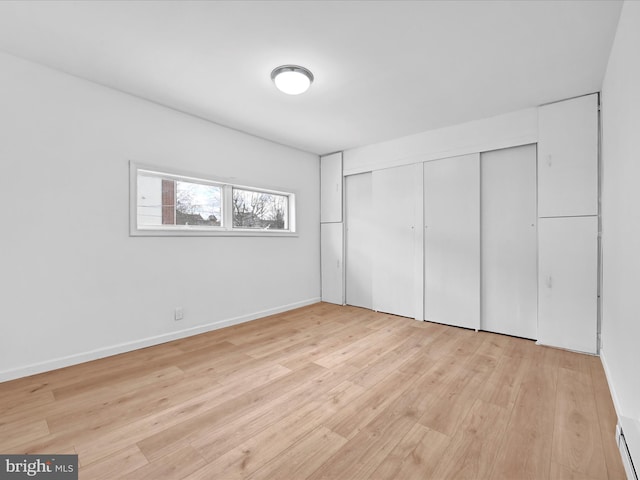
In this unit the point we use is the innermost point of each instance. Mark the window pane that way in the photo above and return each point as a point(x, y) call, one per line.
point(260, 210)
point(197, 204)
point(164, 201)
point(149, 201)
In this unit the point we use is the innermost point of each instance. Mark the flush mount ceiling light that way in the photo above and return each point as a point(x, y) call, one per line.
point(292, 79)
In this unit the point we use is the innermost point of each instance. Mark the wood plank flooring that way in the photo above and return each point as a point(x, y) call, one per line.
point(324, 392)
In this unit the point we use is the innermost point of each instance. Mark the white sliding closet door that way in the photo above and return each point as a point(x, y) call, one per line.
point(359, 236)
point(509, 242)
point(396, 196)
point(452, 241)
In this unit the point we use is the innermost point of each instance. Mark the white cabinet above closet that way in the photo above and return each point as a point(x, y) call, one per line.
point(568, 158)
point(331, 188)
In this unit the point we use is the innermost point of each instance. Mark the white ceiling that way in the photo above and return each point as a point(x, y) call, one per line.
point(383, 69)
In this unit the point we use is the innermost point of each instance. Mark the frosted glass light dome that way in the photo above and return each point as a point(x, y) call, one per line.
point(292, 79)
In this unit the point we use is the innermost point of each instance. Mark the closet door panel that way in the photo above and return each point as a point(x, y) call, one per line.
point(359, 236)
point(509, 242)
point(452, 241)
point(393, 236)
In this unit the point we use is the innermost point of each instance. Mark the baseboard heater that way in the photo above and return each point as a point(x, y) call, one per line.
point(628, 439)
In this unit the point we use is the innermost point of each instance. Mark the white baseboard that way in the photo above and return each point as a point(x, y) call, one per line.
point(607, 374)
point(83, 357)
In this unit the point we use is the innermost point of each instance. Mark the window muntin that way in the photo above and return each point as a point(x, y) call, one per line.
point(167, 203)
point(255, 209)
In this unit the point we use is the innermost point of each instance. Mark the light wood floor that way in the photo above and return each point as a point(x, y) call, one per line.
point(324, 392)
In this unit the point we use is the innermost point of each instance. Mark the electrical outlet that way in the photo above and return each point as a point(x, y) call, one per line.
point(178, 314)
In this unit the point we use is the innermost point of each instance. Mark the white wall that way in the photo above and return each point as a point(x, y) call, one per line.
point(74, 285)
point(508, 130)
point(621, 217)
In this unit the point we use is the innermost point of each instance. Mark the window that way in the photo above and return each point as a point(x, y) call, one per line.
point(167, 203)
point(259, 209)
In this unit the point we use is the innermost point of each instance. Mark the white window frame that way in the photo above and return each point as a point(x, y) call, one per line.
point(226, 229)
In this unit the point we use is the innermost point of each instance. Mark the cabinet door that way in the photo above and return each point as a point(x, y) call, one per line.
point(331, 262)
point(393, 235)
point(452, 241)
point(359, 248)
point(331, 188)
point(567, 283)
point(568, 158)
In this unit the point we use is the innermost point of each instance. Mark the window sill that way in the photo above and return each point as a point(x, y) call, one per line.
point(204, 232)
